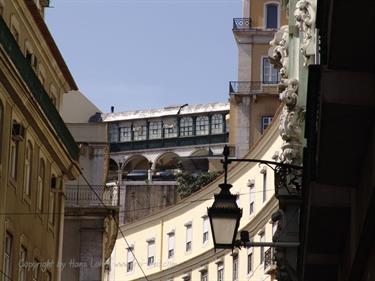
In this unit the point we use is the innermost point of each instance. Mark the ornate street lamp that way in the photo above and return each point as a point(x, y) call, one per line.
point(224, 218)
point(225, 215)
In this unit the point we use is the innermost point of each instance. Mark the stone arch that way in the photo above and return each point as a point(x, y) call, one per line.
point(136, 162)
point(167, 160)
point(112, 169)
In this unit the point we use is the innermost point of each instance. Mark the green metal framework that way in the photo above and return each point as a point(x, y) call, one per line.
point(10, 45)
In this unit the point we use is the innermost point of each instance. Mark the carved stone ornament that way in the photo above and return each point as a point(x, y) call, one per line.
point(305, 15)
point(278, 53)
point(291, 123)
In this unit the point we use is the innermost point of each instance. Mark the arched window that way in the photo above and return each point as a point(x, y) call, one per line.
point(217, 124)
point(272, 15)
point(28, 168)
point(202, 125)
point(186, 126)
point(41, 179)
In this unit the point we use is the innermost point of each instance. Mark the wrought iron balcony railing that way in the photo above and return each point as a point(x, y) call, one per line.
point(84, 196)
point(246, 87)
point(10, 46)
point(269, 261)
point(241, 24)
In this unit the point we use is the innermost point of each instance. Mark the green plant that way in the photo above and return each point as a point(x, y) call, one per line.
point(188, 183)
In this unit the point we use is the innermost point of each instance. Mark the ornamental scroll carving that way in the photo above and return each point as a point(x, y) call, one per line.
point(305, 15)
point(278, 53)
point(292, 116)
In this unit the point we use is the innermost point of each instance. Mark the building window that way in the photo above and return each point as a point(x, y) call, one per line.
point(14, 29)
point(272, 20)
point(113, 133)
point(189, 232)
point(217, 124)
point(7, 262)
point(140, 132)
point(22, 264)
point(13, 158)
point(264, 186)
point(41, 179)
point(150, 252)
point(202, 125)
point(262, 235)
point(125, 134)
point(186, 126)
point(171, 245)
point(252, 200)
point(266, 120)
point(249, 260)
point(28, 167)
point(36, 270)
point(204, 275)
point(235, 268)
point(51, 207)
point(274, 228)
point(220, 272)
point(270, 74)
point(130, 259)
point(205, 229)
point(155, 130)
point(170, 129)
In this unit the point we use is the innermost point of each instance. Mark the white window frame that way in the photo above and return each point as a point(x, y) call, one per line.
point(202, 125)
point(206, 229)
point(266, 121)
point(250, 257)
point(235, 263)
point(252, 198)
point(125, 134)
point(186, 126)
point(114, 133)
point(204, 275)
point(220, 271)
point(217, 124)
point(151, 250)
point(140, 132)
point(269, 82)
point(171, 244)
point(155, 130)
point(189, 237)
point(130, 259)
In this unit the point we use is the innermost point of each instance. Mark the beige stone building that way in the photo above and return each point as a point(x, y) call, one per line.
point(37, 152)
point(254, 97)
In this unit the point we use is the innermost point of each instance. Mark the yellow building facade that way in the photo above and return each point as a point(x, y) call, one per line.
point(38, 154)
point(254, 97)
point(176, 244)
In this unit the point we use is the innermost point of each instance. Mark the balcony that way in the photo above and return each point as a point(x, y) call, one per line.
point(241, 24)
point(252, 87)
point(14, 53)
point(82, 196)
point(269, 262)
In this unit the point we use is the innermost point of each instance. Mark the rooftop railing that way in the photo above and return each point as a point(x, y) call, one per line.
point(84, 196)
point(241, 24)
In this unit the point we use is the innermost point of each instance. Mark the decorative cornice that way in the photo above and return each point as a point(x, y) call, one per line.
point(305, 15)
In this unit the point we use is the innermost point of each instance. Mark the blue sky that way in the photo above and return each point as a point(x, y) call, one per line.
point(138, 54)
